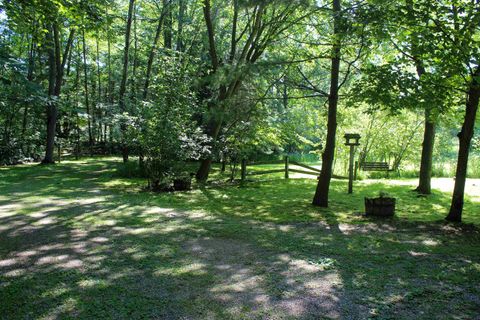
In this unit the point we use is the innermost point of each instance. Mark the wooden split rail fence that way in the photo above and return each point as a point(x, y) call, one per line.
point(286, 170)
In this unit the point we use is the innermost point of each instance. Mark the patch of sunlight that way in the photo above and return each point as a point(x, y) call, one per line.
point(99, 239)
point(158, 210)
point(195, 268)
point(177, 228)
point(15, 273)
point(27, 253)
point(94, 220)
point(126, 273)
point(45, 221)
point(139, 256)
point(90, 283)
point(118, 183)
point(61, 261)
point(67, 307)
point(55, 292)
point(394, 298)
point(9, 209)
point(52, 259)
point(430, 242)
point(417, 254)
point(138, 231)
point(8, 262)
point(437, 207)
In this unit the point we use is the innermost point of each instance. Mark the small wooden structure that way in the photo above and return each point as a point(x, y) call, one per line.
point(305, 169)
point(380, 207)
point(351, 139)
point(375, 166)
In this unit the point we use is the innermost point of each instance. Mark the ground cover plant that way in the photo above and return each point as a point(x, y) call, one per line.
point(77, 240)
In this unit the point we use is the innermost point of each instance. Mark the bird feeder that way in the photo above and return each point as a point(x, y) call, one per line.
point(352, 139)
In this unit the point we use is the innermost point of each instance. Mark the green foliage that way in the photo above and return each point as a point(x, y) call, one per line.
point(167, 135)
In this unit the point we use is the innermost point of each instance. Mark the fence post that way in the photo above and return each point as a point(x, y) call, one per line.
point(244, 169)
point(286, 167)
point(59, 146)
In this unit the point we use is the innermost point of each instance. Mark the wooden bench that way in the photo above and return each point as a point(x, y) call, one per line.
point(375, 166)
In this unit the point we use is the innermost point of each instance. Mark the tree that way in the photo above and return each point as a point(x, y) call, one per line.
point(123, 83)
point(321, 193)
point(250, 36)
point(457, 28)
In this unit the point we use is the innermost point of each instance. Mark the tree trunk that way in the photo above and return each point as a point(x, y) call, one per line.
point(205, 164)
point(123, 84)
point(51, 108)
point(85, 86)
point(133, 79)
point(31, 68)
point(151, 56)
point(424, 183)
point(465, 138)
point(167, 27)
point(55, 78)
point(99, 78)
point(181, 17)
point(109, 63)
point(321, 194)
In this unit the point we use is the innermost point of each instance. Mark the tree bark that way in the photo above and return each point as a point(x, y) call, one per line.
point(321, 194)
point(167, 27)
point(424, 182)
point(205, 164)
point(181, 17)
point(123, 84)
point(465, 138)
point(55, 78)
point(30, 72)
point(152, 54)
point(85, 86)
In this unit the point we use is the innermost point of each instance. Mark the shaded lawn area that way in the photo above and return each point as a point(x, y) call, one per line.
point(78, 241)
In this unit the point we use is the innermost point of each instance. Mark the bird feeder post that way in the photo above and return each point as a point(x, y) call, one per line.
point(351, 139)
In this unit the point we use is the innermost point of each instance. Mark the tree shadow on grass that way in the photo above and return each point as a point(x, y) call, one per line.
point(256, 251)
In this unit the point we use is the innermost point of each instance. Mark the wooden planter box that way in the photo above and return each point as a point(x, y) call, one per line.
point(380, 207)
point(182, 184)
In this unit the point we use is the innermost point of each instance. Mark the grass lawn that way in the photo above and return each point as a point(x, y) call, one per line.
point(78, 241)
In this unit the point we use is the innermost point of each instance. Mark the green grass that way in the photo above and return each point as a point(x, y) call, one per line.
point(79, 241)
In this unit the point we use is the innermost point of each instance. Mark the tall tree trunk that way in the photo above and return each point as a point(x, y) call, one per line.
point(465, 138)
point(30, 72)
point(109, 63)
point(55, 78)
point(51, 108)
point(323, 186)
point(99, 78)
point(167, 27)
point(152, 53)
point(85, 86)
point(424, 182)
point(205, 164)
point(133, 80)
point(214, 125)
point(181, 17)
point(99, 93)
point(123, 83)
